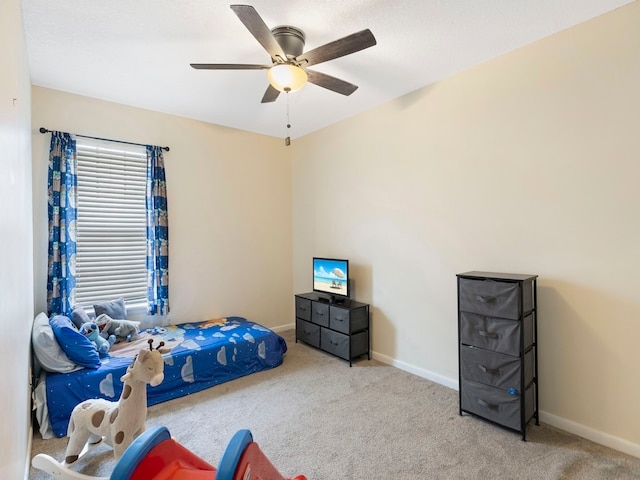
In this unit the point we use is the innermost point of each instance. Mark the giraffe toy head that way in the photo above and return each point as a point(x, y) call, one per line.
point(147, 367)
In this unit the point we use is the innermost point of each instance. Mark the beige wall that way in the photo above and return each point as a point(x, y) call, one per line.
point(16, 239)
point(530, 164)
point(229, 196)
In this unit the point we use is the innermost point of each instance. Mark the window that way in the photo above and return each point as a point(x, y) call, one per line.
point(111, 224)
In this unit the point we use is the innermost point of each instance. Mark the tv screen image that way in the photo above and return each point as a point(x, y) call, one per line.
point(331, 276)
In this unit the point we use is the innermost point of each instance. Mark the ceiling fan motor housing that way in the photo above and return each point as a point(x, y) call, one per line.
point(291, 39)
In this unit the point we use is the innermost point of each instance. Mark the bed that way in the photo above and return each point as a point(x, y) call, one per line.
point(201, 355)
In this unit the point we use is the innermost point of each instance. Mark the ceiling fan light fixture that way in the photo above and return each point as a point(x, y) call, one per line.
point(287, 77)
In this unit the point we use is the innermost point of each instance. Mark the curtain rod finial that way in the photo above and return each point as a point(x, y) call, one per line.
point(43, 130)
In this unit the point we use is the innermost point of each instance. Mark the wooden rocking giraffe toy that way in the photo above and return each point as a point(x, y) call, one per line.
point(118, 423)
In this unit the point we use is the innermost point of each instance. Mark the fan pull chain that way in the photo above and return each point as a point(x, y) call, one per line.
point(287, 140)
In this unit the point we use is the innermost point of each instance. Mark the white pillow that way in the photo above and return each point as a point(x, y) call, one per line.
point(47, 349)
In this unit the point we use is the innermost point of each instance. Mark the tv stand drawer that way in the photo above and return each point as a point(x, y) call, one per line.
point(308, 332)
point(320, 313)
point(343, 346)
point(303, 308)
point(348, 320)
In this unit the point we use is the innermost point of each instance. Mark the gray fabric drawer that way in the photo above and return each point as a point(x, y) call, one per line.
point(495, 369)
point(303, 308)
point(497, 334)
point(338, 343)
point(489, 297)
point(308, 332)
point(348, 320)
point(496, 405)
point(320, 313)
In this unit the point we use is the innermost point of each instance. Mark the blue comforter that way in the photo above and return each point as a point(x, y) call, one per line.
point(203, 354)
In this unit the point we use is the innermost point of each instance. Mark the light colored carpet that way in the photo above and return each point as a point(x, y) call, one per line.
point(315, 416)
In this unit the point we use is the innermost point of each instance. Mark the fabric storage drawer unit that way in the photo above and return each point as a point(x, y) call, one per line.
point(495, 368)
point(341, 329)
point(320, 313)
point(308, 332)
point(494, 298)
point(497, 405)
point(497, 334)
point(497, 348)
point(347, 320)
point(303, 309)
point(344, 346)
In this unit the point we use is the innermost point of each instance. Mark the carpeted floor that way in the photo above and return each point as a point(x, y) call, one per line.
point(315, 416)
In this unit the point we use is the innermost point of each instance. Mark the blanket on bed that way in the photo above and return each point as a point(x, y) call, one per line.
point(202, 355)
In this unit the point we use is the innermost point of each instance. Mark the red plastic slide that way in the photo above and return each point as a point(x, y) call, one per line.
point(154, 455)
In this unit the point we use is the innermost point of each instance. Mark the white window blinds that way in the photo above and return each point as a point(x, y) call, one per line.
point(111, 225)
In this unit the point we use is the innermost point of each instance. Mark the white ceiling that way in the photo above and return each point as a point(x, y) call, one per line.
point(137, 52)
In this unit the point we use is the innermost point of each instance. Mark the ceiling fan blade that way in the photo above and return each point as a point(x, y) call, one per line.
point(228, 66)
point(254, 23)
point(338, 48)
point(270, 95)
point(331, 83)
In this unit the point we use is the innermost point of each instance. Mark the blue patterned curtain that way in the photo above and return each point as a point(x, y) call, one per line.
point(62, 209)
point(157, 234)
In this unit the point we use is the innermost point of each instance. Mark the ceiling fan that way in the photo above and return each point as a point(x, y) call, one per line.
point(289, 71)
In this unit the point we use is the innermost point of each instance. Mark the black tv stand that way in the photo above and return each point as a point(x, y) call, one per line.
point(339, 326)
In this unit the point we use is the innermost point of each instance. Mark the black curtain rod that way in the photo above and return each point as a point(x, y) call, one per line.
point(44, 130)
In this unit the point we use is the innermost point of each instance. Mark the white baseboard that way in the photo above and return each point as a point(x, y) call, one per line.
point(434, 377)
point(601, 438)
point(589, 433)
point(29, 445)
point(282, 328)
point(569, 426)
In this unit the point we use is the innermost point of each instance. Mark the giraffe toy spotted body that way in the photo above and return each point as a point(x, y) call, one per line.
point(118, 423)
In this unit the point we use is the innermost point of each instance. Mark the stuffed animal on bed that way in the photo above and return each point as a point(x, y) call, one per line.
point(90, 330)
point(125, 329)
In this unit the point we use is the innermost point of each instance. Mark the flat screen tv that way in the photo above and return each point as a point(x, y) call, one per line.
point(331, 277)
